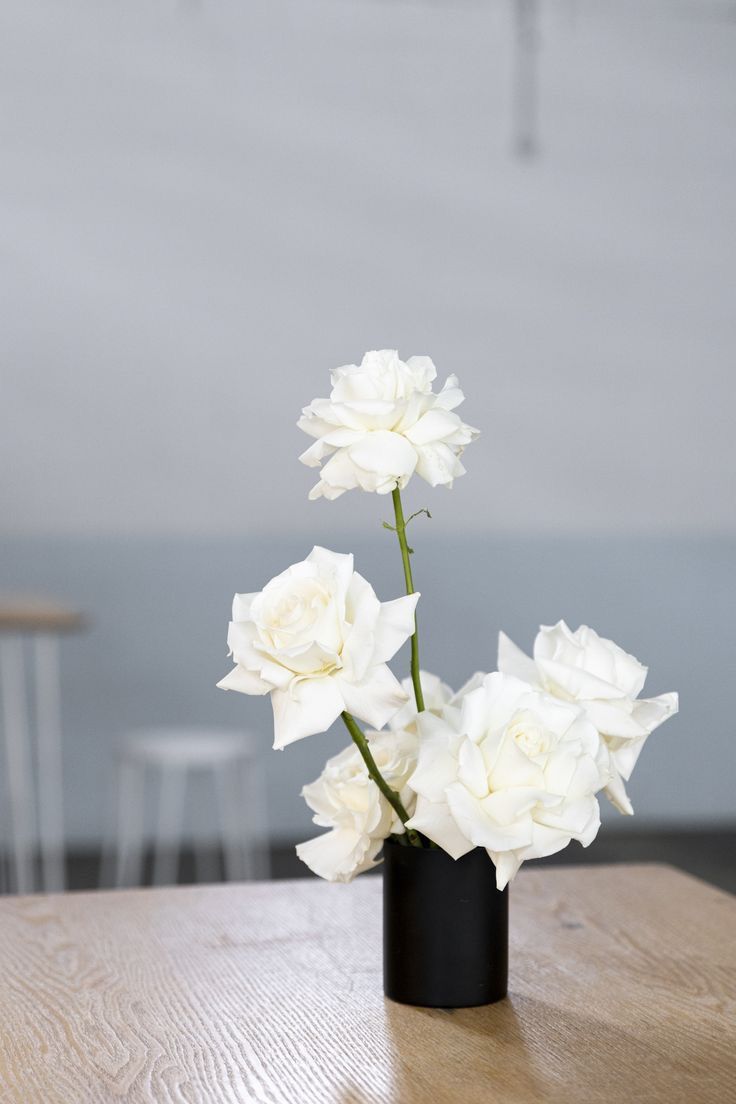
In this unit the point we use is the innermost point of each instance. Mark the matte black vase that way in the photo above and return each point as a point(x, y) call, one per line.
point(445, 928)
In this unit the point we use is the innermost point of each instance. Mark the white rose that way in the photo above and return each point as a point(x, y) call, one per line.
point(439, 698)
point(317, 639)
point(381, 423)
point(517, 776)
point(346, 800)
point(437, 694)
point(605, 680)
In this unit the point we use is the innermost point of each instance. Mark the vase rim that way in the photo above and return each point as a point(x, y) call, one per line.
point(390, 841)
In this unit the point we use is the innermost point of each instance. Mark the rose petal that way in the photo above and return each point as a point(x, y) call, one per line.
point(375, 698)
point(433, 426)
point(335, 566)
point(242, 605)
point(394, 626)
point(477, 826)
point(315, 454)
point(450, 396)
point(424, 371)
point(438, 464)
point(333, 855)
point(507, 865)
point(384, 454)
point(362, 611)
point(246, 682)
point(472, 769)
point(616, 793)
point(512, 661)
point(304, 709)
point(437, 824)
point(650, 713)
point(576, 683)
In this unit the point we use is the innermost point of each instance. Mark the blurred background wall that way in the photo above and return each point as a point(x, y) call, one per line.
point(205, 206)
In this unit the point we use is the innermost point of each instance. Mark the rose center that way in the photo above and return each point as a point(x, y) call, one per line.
point(530, 738)
point(297, 613)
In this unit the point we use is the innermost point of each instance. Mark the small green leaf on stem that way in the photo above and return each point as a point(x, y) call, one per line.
point(416, 513)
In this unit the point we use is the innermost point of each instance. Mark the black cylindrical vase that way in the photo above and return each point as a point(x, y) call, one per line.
point(445, 928)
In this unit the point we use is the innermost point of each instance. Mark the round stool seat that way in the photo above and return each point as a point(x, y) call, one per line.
point(188, 747)
point(226, 761)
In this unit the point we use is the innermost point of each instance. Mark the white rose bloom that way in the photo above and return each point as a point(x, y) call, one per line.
point(317, 639)
point(517, 776)
point(439, 698)
point(346, 800)
point(381, 423)
point(605, 680)
point(437, 694)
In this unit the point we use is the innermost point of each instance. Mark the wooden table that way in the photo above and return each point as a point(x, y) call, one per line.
point(622, 990)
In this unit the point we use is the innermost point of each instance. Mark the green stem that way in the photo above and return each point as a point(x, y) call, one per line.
point(405, 559)
point(391, 795)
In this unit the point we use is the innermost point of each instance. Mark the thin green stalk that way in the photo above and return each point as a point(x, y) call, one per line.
point(405, 559)
point(391, 795)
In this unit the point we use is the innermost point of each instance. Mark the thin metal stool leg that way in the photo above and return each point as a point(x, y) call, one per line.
point(207, 861)
point(108, 872)
point(129, 865)
point(229, 787)
point(50, 780)
point(18, 759)
point(256, 827)
point(168, 833)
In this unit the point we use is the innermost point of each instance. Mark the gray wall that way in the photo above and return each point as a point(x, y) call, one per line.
point(203, 207)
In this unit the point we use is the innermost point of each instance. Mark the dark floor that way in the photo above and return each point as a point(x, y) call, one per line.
point(710, 855)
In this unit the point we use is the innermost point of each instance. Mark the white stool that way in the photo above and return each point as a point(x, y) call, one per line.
point(31, 728)
point(231, 760)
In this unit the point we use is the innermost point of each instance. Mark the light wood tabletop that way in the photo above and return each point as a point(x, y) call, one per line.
point(622, 988)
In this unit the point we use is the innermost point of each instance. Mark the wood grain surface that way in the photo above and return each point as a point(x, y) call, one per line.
point(623, 982)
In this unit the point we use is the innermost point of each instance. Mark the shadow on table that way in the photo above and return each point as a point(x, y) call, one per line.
point(473, 1054)
point(524, 1050)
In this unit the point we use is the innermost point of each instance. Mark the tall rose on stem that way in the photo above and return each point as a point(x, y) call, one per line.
point(381, 424)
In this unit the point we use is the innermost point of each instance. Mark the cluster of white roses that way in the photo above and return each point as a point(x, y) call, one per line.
point(514, 760)
point(507, 763)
